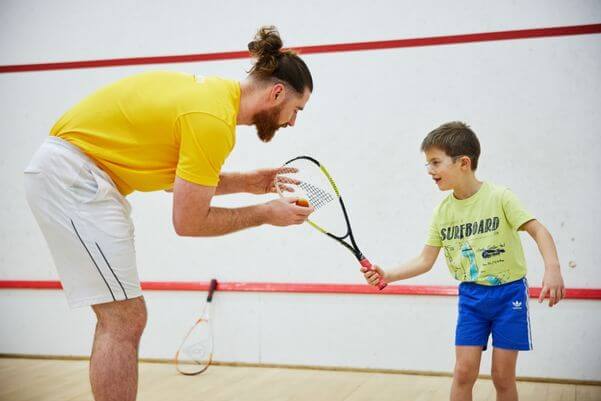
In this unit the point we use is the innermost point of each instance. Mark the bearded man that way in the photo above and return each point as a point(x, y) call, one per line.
point(154, 131)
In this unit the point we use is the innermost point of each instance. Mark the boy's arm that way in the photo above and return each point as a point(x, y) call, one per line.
point(413, 267)
point(552, 280)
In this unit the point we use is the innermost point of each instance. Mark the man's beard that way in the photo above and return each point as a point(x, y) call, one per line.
point(267, 123)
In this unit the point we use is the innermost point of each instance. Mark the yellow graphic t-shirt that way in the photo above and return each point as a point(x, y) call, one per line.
point(145, 129)
point(479, 235)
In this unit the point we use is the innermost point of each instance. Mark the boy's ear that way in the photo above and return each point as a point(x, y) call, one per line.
point(466, 162)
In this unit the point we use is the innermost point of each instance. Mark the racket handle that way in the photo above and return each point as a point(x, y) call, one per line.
point(212, 288)
point(367, 264)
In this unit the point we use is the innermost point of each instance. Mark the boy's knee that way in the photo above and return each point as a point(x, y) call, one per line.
point(465, 374)
point(502, 379)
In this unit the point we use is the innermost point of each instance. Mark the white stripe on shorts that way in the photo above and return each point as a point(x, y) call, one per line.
point(528, 312)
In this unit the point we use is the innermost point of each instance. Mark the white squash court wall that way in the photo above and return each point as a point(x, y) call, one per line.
point(534, 104)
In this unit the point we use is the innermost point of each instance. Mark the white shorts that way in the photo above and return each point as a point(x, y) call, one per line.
point(86, 223)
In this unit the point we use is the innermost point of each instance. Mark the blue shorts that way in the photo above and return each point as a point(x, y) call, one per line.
point(501, 310)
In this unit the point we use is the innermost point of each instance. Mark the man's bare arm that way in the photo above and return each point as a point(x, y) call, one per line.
point(194, 216)
point(231, 183)
point(260, 181)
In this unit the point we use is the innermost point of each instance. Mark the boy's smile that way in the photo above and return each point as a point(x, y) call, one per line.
point(442, 167)
point(452, 173)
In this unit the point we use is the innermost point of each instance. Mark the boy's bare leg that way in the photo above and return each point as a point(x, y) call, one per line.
point(114, 360)
point(467, 367)
point(503, 374)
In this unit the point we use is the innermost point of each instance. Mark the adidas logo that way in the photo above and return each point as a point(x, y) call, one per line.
point(517, 305)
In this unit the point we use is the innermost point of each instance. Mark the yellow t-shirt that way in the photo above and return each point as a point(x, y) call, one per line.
point(145, 129)
point(479, 235)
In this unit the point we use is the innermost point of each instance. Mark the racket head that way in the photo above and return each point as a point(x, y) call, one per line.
point(306, 178)
point(195, 353)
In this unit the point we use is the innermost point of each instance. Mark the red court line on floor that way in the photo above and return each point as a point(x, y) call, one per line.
point(310, 288)
point(328, 48)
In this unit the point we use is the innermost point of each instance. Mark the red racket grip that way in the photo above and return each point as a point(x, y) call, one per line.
point(367, 264)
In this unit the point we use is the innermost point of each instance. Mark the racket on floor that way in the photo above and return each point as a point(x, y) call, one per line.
point(196, 350)
point(308, 179)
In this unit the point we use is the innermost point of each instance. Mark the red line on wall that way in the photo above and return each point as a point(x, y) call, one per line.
point(328, 48)
point(310, 288)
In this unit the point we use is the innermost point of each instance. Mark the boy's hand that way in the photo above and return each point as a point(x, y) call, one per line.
point(553, 286)
point(373, 277)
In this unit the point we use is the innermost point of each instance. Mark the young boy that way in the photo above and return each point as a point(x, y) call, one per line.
point(477, 225)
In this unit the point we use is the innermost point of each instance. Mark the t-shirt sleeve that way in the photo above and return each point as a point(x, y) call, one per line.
point(515, 213)
point(205, 143)
point(434, 238)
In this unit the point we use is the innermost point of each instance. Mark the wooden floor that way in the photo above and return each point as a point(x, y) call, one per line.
point(58, 380)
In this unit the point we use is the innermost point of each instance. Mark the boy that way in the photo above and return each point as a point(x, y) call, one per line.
point(477, 226)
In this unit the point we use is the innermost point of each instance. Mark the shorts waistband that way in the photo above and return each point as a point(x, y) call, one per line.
point(76, 153)
point(475, 284)
point(54, 140)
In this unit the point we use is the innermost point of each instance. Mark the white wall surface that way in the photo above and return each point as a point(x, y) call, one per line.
point(534, 104)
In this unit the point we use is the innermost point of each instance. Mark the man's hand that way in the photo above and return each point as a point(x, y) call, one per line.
point(262, 181)
point(285, 212)
point(552, 285)
point(373, 276)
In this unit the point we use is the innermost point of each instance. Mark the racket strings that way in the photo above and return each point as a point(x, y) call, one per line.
point(197, 352)
point(317, 196)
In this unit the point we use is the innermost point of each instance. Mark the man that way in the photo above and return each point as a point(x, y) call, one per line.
point(154, 131)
